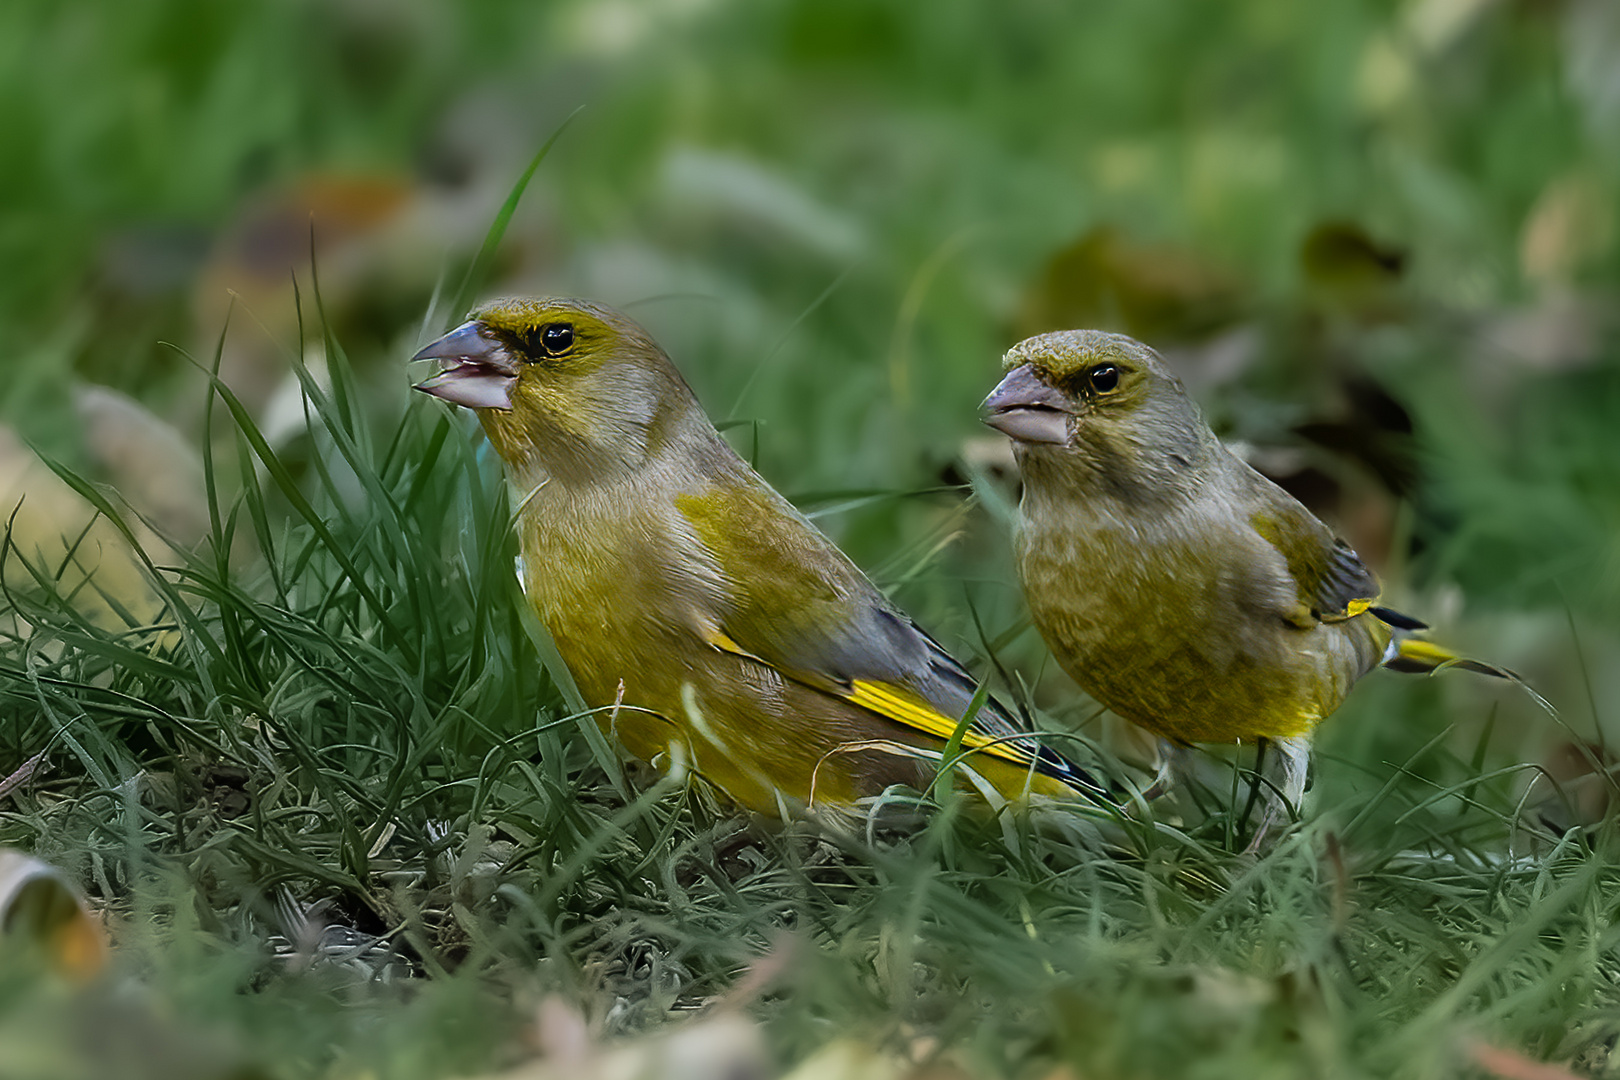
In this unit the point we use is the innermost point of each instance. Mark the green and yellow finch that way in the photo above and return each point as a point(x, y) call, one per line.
point(1175, 584)
point(706, 619)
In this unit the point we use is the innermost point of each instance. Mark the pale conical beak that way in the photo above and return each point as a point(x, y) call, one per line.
point(1027, 409)
point(475, 369)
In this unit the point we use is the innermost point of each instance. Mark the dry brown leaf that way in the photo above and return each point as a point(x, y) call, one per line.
point(147, 460)
point(721, 1044)
point(62, 535)
point(850, 1059)
point(40, 907)
point(1512, 1065)
point(1571, 226)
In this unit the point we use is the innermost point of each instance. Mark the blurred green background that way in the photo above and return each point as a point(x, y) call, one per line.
point(1380, 240)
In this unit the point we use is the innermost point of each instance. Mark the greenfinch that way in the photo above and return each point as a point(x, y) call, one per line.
point(1175, 584)
point(708, 623)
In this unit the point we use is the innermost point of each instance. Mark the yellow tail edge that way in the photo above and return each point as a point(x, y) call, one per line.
point(1416, 655)
point(1425, 657)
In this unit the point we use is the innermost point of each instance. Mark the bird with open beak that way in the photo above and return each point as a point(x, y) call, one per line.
point(709, 623)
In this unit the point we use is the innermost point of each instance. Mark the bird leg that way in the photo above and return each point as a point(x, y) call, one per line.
point(1284, 780)
point(1175, 764)
point(1293, 768)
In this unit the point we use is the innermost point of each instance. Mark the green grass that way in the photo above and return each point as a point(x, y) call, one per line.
point(836, 216)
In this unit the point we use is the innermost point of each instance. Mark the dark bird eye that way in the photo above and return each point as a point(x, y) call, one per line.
point(1103, 378)
point(556, 338)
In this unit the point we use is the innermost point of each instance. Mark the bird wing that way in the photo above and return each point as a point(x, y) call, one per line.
point(796, 604)
point(1333, 583)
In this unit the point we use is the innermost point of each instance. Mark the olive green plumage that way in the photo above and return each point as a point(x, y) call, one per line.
point(1176, 585)
point(677, 584)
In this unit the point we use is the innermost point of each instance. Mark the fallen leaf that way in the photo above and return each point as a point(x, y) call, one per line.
point(41, 908)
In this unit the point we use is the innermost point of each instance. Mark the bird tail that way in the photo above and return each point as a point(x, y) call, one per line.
point(1415, 654)
point(1053, 764)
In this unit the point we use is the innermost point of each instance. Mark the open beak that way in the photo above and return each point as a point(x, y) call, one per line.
point(1027, 409)
point(475, 369)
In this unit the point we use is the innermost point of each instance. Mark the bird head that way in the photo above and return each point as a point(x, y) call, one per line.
point(565, 385)
point(1102, 401)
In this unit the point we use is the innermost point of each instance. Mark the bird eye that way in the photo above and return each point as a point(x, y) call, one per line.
point(556, 338)
point(1103, 378)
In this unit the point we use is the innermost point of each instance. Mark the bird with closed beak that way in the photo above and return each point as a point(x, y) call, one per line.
point(707, 622)
point(1176, 585)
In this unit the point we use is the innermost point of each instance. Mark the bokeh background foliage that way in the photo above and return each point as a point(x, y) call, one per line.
point(314, 760)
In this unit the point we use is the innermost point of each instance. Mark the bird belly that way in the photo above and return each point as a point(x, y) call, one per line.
point(1175, 686)
point(1163, 644)
point(630, 638)
point(771, 744)
point(639, 632)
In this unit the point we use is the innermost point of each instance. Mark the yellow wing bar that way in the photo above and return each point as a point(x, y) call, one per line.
point(903, 707)
point(912, 711)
